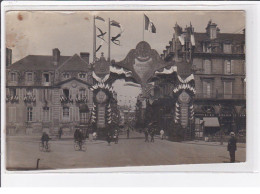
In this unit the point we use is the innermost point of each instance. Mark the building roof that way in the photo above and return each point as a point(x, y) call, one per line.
point(45, 63)
point(74, 63)
point(37, 62)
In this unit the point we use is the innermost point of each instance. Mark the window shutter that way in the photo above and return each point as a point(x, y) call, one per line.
point(232, 66)
point(71, 114)
point(225, 67)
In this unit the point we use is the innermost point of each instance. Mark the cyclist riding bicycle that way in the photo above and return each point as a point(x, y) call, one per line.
point(45, 139)
point(78, 137)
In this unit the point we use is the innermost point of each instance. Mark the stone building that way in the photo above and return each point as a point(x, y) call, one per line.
point(217, 61)
point(46, 93)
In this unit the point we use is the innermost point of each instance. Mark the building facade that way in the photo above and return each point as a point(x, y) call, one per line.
point(46, 93)
point(217, 61)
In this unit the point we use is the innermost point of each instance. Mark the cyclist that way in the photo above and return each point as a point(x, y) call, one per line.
point(78, 137)
point(45, 139)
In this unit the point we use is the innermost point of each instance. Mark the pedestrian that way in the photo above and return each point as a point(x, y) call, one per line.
point(152, 134)
point(116, 136)
point(232, 147)
point(146, 133)
point(94, 135)
point(127, 132)
point(108, 138)
point(162, 134)
point(60, 133)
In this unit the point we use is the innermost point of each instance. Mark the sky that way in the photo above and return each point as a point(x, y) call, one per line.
point(38, 32)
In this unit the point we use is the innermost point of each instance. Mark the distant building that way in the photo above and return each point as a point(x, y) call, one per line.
point(45, 93)
point(217, 61)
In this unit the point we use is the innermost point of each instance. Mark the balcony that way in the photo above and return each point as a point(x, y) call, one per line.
point(220, 96)
point(12, 99)
point(81, 99)
point(65, 99)
point(29, 99)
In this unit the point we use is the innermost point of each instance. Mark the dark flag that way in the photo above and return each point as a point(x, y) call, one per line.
point(114, 23)
point(148, 25)
point(99, 18)
point(102, 34)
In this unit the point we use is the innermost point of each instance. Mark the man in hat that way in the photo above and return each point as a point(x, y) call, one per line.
point(232, 147)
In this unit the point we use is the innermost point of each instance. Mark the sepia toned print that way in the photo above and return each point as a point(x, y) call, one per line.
point(90, 89)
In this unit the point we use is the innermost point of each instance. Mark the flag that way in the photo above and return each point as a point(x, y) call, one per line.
point(114, 23)
point(149, 25)
point(99, 18)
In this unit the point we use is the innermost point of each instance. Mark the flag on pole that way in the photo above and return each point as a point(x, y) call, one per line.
point(114, 23)
point(149, 25)
point(100, 18)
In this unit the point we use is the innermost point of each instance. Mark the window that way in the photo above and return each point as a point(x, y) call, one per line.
point(228, 67)
point(66, 93)
point(12, 91)
point(82, 93)
point(213, 33)
point(227, 48)
point(66, 75)
point(207, 89)
point(82, 75)
point(227, 89)
point(29, 77)
point(13, 76)
point(46, 77)
point(46, 114)
point(29, 114)
point(207, 66)
point(12, 114)
point(66, 112)
point(83, 117)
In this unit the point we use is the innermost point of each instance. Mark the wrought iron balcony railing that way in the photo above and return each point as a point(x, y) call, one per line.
point(12, 99)
point(81, 99)
point(65, 99)
point(29, 98)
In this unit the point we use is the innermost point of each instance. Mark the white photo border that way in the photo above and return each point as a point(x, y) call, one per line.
point(168, 175)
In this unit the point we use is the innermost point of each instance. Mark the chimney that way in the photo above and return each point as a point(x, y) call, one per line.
point(85, 57)
point(8, 56)
point(212, 30)
point(56, 56)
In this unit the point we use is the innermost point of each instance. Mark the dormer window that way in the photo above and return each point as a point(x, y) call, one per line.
point(82, 75)
point(227, 48)
point(46, 77)
point(66, 75)
point(29, 76)
point(13, 77)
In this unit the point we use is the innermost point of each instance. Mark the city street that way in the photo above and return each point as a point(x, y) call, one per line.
point(23, 153)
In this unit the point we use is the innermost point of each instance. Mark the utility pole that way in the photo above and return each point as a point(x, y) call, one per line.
point(108, 57)
point(94, 40)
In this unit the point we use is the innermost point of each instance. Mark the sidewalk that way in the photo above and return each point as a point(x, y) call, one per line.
point(200, 142)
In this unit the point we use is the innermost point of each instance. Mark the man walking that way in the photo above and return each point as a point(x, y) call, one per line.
point(146, 135)
point(127, 132)
point(152, 134)
point(60, 133)
point(162, 134)
point(232, 147)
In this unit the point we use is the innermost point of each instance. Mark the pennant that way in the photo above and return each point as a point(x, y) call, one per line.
point(114, 23)
point(100, 18)
point(149, 25)
point(101, 35)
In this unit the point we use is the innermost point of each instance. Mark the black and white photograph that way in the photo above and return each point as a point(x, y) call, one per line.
point(100, 89)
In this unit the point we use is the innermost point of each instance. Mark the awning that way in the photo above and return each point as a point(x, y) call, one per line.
point(211, 122)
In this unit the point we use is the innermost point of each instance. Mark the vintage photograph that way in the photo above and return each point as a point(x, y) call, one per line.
point(93, 89)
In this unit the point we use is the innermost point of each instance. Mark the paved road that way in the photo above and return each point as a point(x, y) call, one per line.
point(23, 152)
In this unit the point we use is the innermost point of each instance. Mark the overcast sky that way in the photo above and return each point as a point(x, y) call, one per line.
point(38, 32)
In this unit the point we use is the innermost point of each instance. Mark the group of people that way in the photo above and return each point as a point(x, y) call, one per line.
point(151, 132)
point(111, 136)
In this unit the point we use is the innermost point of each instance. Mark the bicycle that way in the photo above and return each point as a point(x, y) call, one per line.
point(80, 145)
point(45, 147)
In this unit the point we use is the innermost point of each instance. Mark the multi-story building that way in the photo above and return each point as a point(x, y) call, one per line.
point(217, 61)
point(46, 93)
